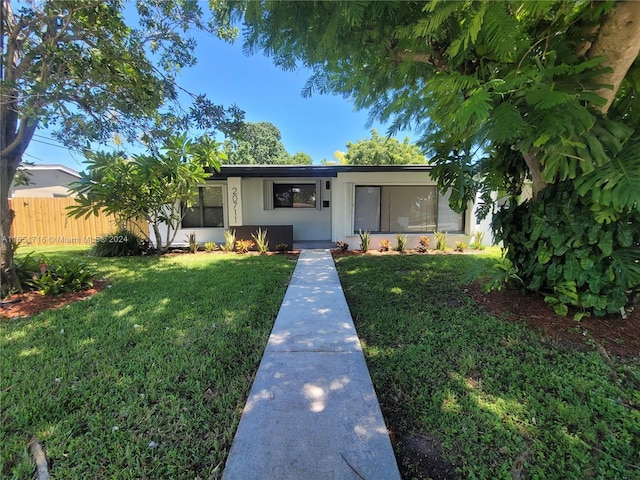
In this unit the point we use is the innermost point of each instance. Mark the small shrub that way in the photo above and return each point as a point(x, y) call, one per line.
point(460, 246)
point(26, 268)
point(229, 240)
point(210, 247)
point(385, 245)
point(401, 242)
point(54, 276)
point(365, 239)
point(441, 241)
point(423, 244)
point(501, 274)
point(123, 243)
point(243, 246)
point(193, 244)
point(262, 243)
point(342, 246)
point(282, 247)
point(476, 242)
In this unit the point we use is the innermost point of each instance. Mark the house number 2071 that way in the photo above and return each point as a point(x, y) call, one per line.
point(234, 200)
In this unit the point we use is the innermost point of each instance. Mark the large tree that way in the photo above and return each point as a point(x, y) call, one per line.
point(256, 143)
point(260, 143)
point(378, 150)
point(77, 67)
point(503, 94)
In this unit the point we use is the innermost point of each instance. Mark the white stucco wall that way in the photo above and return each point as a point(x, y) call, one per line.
point(308, 223)
point(343, 212)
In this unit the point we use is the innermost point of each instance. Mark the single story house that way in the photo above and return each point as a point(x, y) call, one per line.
point(326, 204)
point(45, 181)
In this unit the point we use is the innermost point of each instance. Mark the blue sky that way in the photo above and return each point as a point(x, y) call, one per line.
point(317, 126)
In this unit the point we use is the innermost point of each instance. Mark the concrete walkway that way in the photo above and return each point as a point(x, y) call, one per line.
point(312, 412)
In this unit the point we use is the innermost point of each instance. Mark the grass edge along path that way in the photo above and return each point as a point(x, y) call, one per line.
point(491, 395)
point(146, 379)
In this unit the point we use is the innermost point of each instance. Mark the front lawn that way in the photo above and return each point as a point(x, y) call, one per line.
point(496, 399)
point(146, 379)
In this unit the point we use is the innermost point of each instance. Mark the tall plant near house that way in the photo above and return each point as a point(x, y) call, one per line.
point(153, 187)
point(365, 239)
point(261, 240)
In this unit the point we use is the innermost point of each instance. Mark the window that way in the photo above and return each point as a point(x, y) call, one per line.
point(207, 211)
point(294, 195)
point(404, 209)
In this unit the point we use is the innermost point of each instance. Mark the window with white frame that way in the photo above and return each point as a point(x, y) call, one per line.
point(207, 211)
point(404, 209)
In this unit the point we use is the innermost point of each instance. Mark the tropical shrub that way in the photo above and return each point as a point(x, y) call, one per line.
point(282, 247)
point(575, 261)
point(123, 243)
point(423, 244)
point(342, 246)
point(229, 240)
point(51, 276)
point(210, 247)
point(243, 246)
point(476, 242)
point(385, 245)
point(401, 242)
point(460, 246)
point(441, 240)
point(365, 239)
point(193, 243)
point(262, 242)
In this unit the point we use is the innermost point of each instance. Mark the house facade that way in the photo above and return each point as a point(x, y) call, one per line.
point(328, 204)
point(45, 181)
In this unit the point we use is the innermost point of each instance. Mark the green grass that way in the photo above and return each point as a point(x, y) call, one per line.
point(146, 379)
point(487, 389)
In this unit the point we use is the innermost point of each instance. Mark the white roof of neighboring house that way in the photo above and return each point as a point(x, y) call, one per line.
point(62, 168)
point(45, 181)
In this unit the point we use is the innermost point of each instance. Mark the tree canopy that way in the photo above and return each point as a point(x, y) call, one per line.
point(79, 68)
point(260, 143)
point(502, 94)
point(378, 150)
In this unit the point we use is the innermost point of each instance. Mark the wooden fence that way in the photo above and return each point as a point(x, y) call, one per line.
point(44, 221)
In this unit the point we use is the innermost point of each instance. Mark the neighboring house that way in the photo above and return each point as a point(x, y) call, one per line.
point(45, 181)
point(327, 203)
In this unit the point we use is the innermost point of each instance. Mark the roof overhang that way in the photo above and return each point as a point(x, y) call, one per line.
point(309, 171)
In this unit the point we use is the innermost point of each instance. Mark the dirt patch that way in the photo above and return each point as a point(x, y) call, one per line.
point(22, 305)
point(422, 454)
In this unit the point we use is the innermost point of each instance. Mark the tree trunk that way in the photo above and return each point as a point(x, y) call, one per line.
point(535, 168)
point(618, 41)
point(13, 143)
point(8, 277)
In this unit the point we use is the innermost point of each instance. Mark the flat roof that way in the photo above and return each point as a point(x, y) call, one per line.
point(312, 171)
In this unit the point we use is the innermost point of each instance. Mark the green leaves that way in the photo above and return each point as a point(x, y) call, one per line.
point(616, 184)
point(555, 247)
point(153, 187)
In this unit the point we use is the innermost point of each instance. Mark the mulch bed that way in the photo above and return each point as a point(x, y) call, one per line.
point(21, 305)
point(618, 336)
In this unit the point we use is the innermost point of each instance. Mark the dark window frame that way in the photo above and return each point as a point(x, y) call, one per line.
point(283, 188)
point(201, 208)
